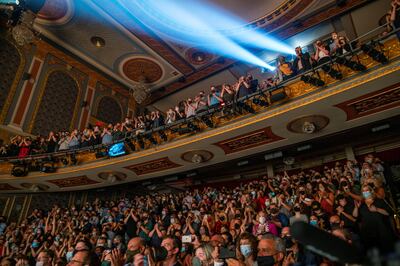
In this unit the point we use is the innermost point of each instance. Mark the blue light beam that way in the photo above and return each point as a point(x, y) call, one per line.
point(178, 19)
point(173, 21)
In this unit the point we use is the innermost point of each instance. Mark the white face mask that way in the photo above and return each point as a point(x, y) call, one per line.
point(218, 263)
point(39, 263)
point(262, 220)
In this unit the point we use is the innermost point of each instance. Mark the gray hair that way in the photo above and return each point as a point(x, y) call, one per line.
point(279, 243)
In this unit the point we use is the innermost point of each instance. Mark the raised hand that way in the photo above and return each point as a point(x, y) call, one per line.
point(117, 259)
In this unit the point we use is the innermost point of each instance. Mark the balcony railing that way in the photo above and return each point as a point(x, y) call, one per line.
point(378, 50)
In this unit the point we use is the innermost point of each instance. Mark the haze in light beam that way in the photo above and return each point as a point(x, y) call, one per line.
point(174, 20)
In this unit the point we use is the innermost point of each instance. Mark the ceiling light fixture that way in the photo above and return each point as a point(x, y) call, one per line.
point(140, 91)
point(98, 41)
point(197, 158)
point(309, 127)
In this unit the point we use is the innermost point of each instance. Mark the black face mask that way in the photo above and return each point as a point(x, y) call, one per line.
point(265, 261)
point(288, 242)
point(131, 254)
point(335, 226)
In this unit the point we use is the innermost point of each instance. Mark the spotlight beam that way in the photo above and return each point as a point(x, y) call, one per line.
point(179, 24)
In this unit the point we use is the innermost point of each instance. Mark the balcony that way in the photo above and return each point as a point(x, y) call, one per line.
point(290, 112)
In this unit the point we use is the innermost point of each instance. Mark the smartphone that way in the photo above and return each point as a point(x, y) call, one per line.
point(187, 239)
point(226, 253)
point(145, 261)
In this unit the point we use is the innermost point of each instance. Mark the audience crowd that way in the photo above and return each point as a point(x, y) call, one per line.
point(244, 225)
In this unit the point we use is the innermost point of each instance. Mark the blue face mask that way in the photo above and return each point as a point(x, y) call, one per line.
point(367, 194)
point(35, 244)
point(245, 250)
point(69, 255)
point(314, 222)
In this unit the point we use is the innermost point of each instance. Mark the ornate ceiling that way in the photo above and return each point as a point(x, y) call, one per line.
point(129, 50)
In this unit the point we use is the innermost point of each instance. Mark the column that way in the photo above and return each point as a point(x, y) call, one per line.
point(270, 169)
point(350, 153)
point(84, 119)
point(25, 98)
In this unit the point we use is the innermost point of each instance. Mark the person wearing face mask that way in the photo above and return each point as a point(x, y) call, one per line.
point(263, 226)
point(145, 226)
point(214, 98)
point(136, 247)
point(44, 259)
point(347, 211)
point(314, 221)
point(271, 251)
point(190, 107)
point(173, 246)
point(157, 235)
point(69, 254)
point(221, 221)
point(298, 216)
point(202, 103)
point(277, 217)
point(246, 250)
point(375, 226)
point(322, 216)
point(165, 217)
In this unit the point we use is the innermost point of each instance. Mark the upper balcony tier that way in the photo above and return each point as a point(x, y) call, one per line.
point(293, 111)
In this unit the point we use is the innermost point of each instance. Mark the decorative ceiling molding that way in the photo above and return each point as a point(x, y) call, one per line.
point(197, 56)
point(197, 156)
point(316, 122)
point(137, 68)
point(108, 176)
point(56, 12)
point(371, 103)
point(214, 68)
point(44, 48)
point(73, 181)
point(147, 36)
point(248, 141)
point(317, 18)
point(153, 166)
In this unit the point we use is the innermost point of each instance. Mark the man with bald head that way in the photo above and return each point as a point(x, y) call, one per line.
point(134, 253)
point(271, 250)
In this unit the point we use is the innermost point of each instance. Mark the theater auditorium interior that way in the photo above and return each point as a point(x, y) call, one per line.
point(199, 132)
